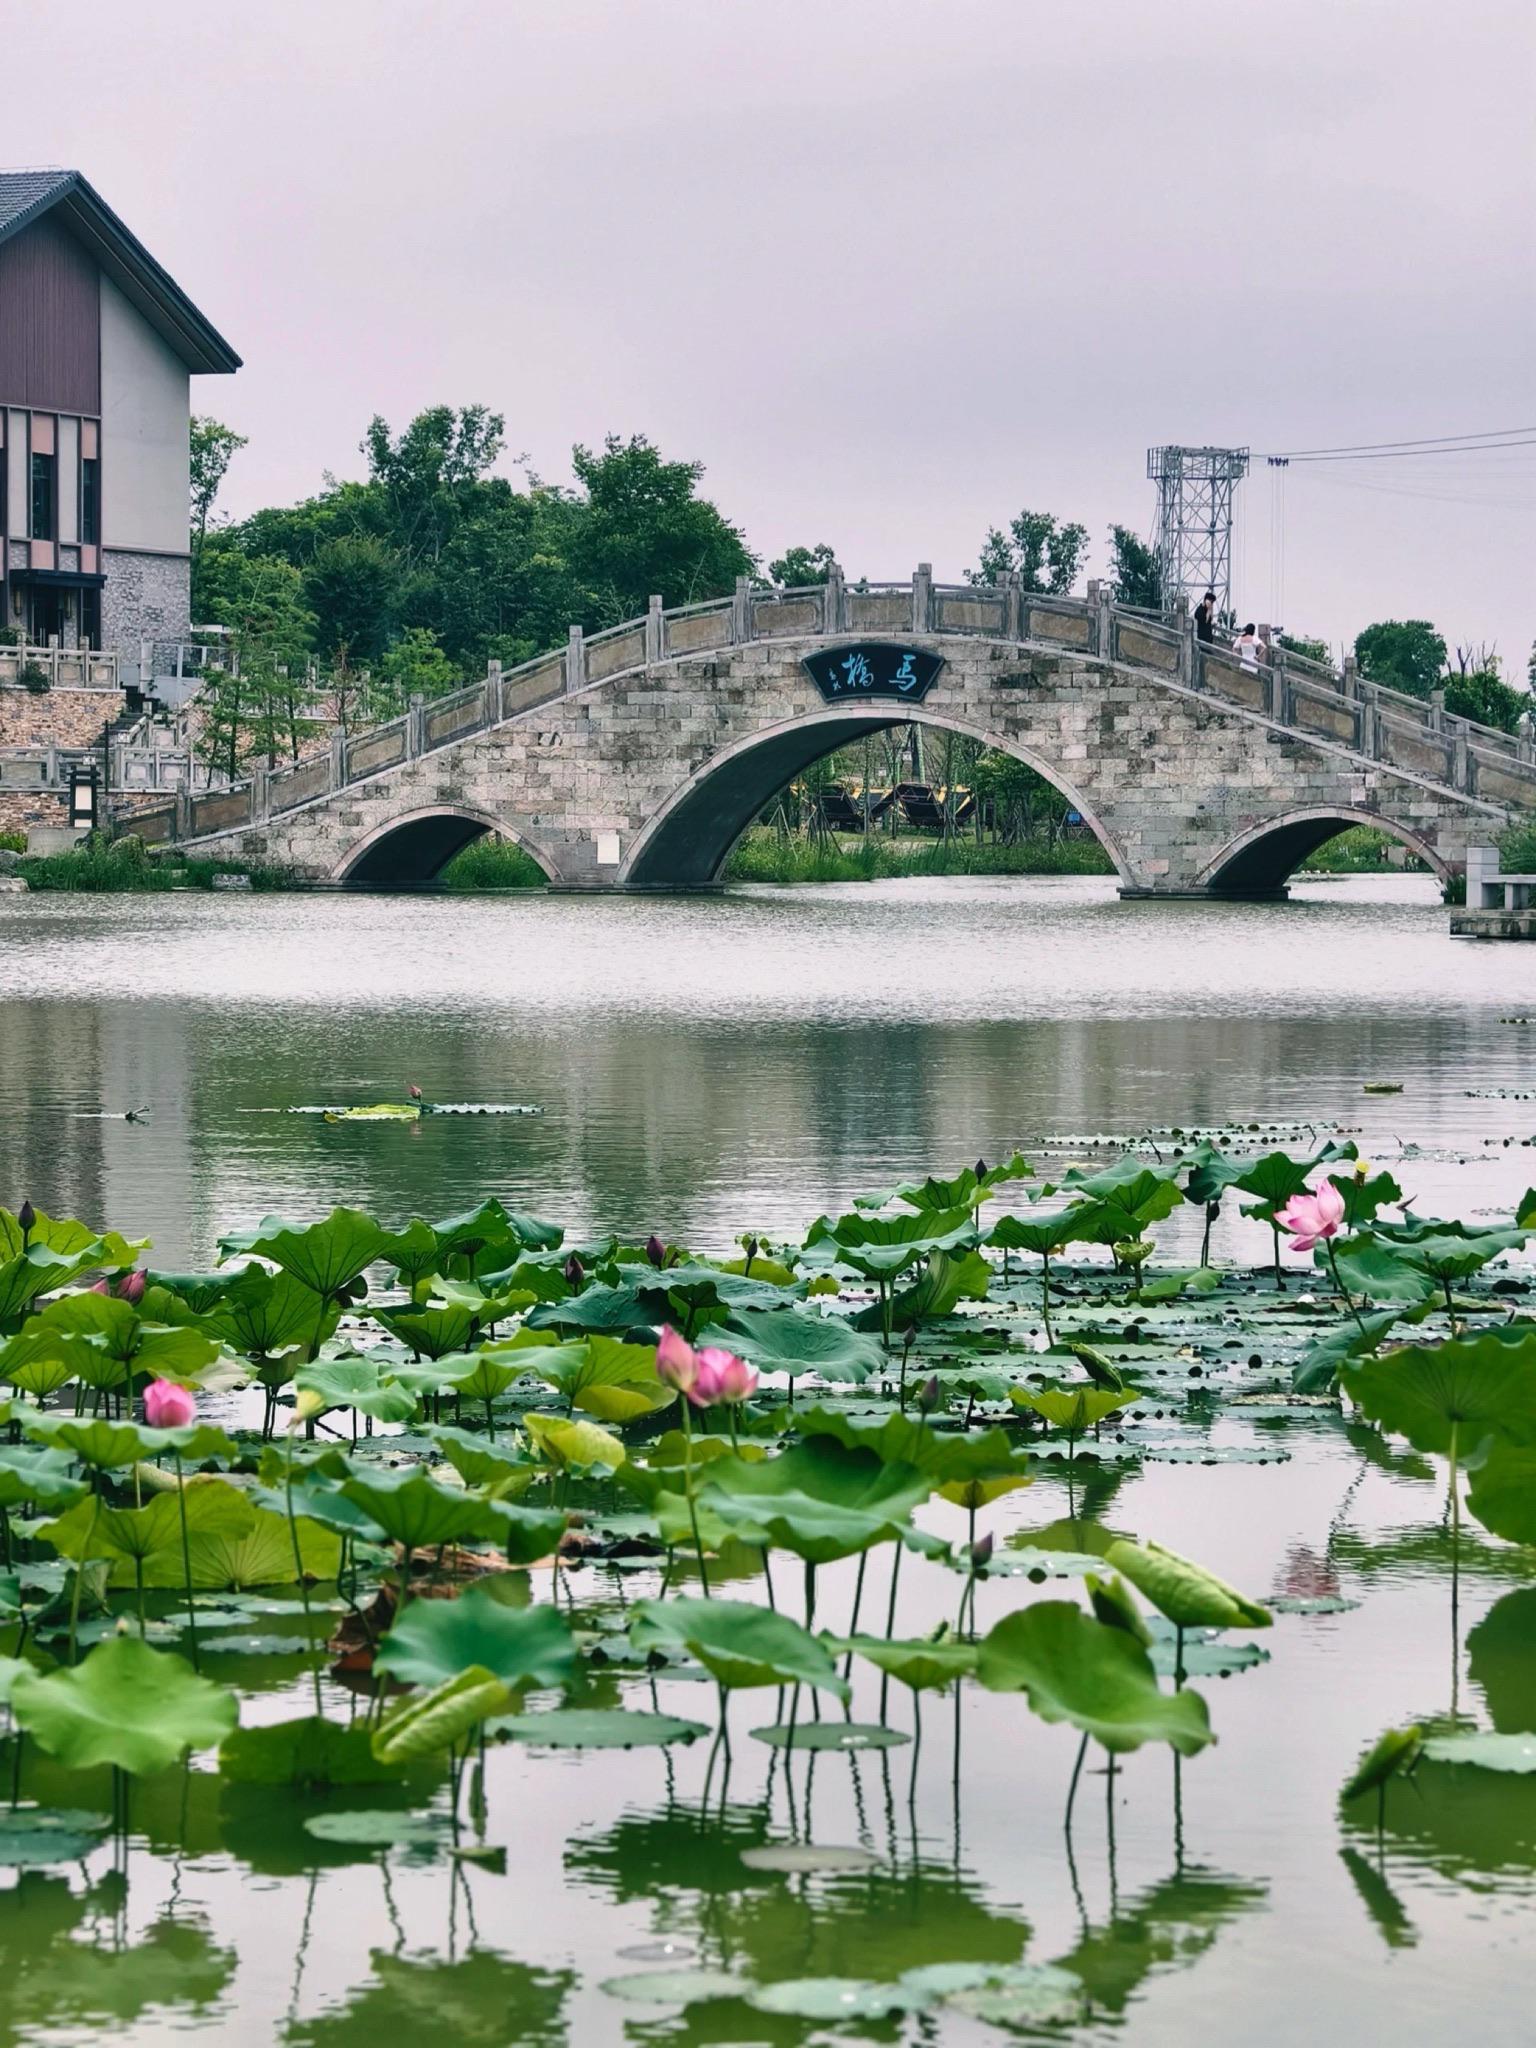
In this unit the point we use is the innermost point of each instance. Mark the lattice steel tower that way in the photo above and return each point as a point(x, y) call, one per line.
point(1194, 520)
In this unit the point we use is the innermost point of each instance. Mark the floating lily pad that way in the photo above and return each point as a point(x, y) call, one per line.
point(253, 1646)
point(676, 1987)
point(1213, 1659)
point(1033, 1995)
point(371, 1827)
point(1317, 1603)
point(831, 1998)
point(39, 1834)
point(808, 1858)
point(596, 1728)
point(1215, 1454)
point(1487, 1752)
point(831, 1735)
point(490, 1856)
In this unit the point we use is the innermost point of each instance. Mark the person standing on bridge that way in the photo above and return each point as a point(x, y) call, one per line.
point(1205, 618)
point(1246, 647)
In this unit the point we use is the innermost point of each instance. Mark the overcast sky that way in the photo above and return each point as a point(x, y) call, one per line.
point(890, 270)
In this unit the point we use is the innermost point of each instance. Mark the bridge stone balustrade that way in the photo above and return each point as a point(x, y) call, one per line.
point(635, 757)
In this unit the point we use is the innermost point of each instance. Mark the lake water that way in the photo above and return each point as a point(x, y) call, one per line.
point(702, 1067)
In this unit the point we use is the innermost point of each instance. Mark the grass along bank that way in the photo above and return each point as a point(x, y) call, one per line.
point(124, 866)
point(762, 855)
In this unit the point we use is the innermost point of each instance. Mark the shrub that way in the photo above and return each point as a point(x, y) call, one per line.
point(34, 677)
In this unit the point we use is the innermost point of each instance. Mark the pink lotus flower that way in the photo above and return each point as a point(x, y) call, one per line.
point(167, 1406)
point(129, 1287)
point(1312, 1218)
point(723, 1377)
point(709, 1376)
point(677, 1362)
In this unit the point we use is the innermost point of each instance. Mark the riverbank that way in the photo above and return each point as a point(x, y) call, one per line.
point(765, 856)
point(118, 867)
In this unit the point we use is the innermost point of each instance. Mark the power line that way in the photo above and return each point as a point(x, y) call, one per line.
point(1426, 443)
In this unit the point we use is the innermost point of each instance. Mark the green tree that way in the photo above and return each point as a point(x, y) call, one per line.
point(1135, 578)
point(415, 666)
point(260, 703)
point(350, 586)
point(428, 475)
point(212, 448)
point(645, 529)
point(1404, 654)
point(1309, 650)
point(1046, 552)
point(1476, 690)
point(798, 568)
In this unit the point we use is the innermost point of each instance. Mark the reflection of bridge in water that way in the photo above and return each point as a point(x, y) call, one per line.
point(635, 758)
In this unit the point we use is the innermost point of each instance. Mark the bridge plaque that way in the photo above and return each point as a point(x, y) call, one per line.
point(873, 668)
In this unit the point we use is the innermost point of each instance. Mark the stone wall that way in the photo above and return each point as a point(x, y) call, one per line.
point(645, 779)
point(145, 597)
point(61, 717)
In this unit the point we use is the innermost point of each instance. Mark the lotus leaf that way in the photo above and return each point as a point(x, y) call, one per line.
point(1100, 1679)
point(1073, 1409)
point(478, 1462)
point(1393, 1753)
point(416, 1511)
point(264, 1555)
point(372, 1828)
point(738, 1642)
point(597, 1728)
point(126, 1704)
point(924, 1666)
point(325, 1256)
point(151, 1535)
point(675, 1987)
point(433, 1640)
point(264, 1313)
point(612, 1380)
point(573, 1445)
point(37, 1271)
point(356, 1383)
point(40, 1478)
point(1188, 1594)
point(430, 1332)
point(614, 1309)
point(839, 1735)
point(1450, 1396)
point(1503, 1491)
point(1487, 1752)
point(431, 1722)
point(792, 1342)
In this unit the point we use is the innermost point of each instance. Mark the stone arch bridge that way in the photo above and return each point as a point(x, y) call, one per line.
point(633, 759)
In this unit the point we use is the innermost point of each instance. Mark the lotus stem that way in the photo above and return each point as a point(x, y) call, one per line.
point(1279, 1276)
point(917, 1745)
point(693, 1516)
point(186, 1557)
point(853, 1625)
point(890, 1626)
point(1045, 1296)
point(1077, 1772)
point(1349, 1302)
point(74, 1598)
point(298, 1566)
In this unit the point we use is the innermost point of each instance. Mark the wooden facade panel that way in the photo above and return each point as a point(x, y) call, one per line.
point(50, 321)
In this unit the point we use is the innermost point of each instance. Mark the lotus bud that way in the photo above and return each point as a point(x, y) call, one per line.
point(26, 1216)
point(575, 1272)
point(677, 1362)
point(909, 1335)
point(101, 1287)
point(981, 1552)
point(981, 1169)
point(655, 1251)
point(1212, 1211)
point(306, 1407)
point(168, 1406)
point(414, 1092)
point(928, 1396)
point(131, 1287)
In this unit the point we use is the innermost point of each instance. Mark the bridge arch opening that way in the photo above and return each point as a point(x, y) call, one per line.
point(1261, 861)
point(413, 850)
point(688, 841)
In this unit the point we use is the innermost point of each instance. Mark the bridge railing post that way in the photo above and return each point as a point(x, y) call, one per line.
point(575, 660)
point(183, 824)
point(1349, 677)
point(1013, 605)
point(415, 727)
point(1370, 721)
point(1103, 621)
point(261, 793)
point(491, 714)
point(338, 759)
point(1184, 625)
point(922, 598)
point(653, 631)
point(833, 598)
point(1463, 765)
point(741, 612)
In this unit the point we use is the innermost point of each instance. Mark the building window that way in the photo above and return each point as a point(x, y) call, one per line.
point(90, 618)
point(42, 497)
point(90, 501)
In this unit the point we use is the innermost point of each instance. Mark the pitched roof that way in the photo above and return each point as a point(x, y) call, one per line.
point(25, 196)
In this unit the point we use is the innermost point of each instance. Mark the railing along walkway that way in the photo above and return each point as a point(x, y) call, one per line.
point(1304, 696)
